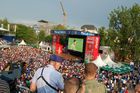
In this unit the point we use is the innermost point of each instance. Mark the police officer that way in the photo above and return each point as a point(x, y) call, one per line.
point(48, 79)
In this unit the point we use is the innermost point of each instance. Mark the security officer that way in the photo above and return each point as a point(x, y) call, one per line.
point(48, 79)
point(90, 85)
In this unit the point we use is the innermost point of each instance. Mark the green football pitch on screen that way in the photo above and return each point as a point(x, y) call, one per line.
point(75, 44)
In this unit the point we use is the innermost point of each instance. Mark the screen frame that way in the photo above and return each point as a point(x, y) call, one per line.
point(77, 53)
point(69, 44)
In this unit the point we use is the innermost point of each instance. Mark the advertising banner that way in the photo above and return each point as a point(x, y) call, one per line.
point(91, 51)
point(59, 49)
point(96, 47)
point(56, 40)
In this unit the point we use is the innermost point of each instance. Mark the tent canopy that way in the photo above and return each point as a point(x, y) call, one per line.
point(22, 43)
point(99, 62)
point(117, 70)
point(41, 43)
point(109, 62)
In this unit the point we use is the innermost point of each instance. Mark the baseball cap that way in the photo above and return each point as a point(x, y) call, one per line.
point(56, 58)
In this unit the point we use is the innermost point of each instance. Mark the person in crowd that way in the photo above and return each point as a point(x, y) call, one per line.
point(4, 87)
point(73, 45)
point(72, 85)
point(137, 88)
point(48, 79)
point(90, 84)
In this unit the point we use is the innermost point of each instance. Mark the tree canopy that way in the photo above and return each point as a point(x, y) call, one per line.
point(58, 27)
point(123, 34)
point(41, 36)
point(5, 26)
point(26, 33)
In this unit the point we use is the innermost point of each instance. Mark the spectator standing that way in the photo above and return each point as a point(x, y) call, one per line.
point(48, 79)
point(90, 84)
point(72, 85)
point(4, 87)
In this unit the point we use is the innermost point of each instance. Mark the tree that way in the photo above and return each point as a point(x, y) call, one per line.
point(103, 36)
point(5, 23)
point(41, 36)
point(26, 33)
point(49, 38)
point(59, 27)
point(5, 26)
point(124, 28)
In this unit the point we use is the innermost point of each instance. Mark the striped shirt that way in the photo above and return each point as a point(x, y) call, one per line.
point(4, 87)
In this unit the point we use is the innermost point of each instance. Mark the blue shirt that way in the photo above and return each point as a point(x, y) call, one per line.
point(53, 77)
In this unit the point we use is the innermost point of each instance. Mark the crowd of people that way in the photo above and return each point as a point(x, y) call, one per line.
point(72, 69)
point(33, 57)
point(119, 83)
point(36, 58)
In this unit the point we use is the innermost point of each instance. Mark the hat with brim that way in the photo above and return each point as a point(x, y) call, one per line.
point(56, 58)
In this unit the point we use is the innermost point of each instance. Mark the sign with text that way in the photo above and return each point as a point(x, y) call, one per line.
point(92, 46)
point(56, 40)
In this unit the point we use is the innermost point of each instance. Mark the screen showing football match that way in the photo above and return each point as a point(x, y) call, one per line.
point(75, 44)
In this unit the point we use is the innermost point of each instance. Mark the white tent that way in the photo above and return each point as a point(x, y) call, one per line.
point(22, 43)
point(109, 62)
point(99, 62)
point(41, 44)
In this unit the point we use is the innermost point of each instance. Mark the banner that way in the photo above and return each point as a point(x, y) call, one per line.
point(96, 47)
point(59, 49)
point(56, 40)
point(91, 51)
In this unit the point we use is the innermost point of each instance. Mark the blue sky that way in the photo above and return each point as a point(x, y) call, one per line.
point(78, 12)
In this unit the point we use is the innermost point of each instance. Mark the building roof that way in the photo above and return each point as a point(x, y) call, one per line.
point(88, 27)
point(43, 21)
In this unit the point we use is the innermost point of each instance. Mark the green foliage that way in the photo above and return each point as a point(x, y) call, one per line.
point(59, 27)
point(124, 31)
point(5, 26)
point(103, 36)
point(26, 33)
point(63, 40)
point(49, 39)
point(41, 36)
point(5, 23)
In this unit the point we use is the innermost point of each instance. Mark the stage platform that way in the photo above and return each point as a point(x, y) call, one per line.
point(69, 57)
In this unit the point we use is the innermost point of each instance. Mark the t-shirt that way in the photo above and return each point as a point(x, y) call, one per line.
point(53, 77)
point(92, 86)
point(4, 87)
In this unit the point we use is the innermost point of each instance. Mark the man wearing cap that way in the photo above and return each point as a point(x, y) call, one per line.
point(48, 79)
